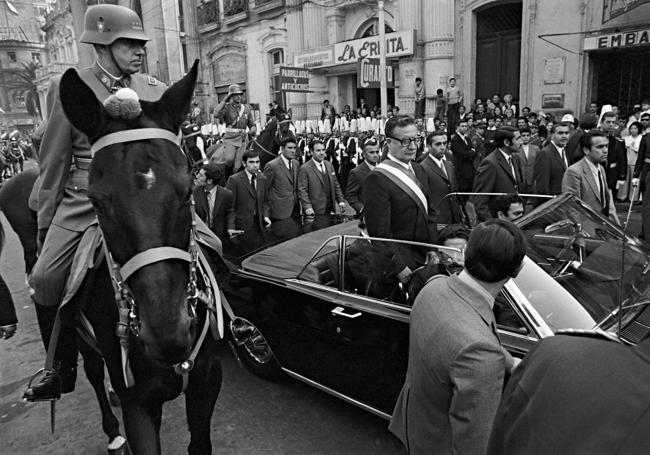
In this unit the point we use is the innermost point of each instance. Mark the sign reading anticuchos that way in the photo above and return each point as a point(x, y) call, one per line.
point(294, 79)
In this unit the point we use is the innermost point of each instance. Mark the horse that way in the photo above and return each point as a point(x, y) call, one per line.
point(268, 142)
point(140, 185)
point(14, 196)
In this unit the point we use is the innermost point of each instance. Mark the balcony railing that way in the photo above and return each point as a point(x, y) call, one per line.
point(208, 13)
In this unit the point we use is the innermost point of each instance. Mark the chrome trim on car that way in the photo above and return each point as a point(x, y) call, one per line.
point(533, 317)
point(333, 392)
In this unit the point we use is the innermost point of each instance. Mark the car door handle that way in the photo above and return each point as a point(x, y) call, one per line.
point(340, 311)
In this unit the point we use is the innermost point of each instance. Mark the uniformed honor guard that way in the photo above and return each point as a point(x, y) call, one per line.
point(236, 116)
point(64, 210)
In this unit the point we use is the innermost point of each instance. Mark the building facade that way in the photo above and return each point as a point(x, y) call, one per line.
point(553, 55)
point(22, 48)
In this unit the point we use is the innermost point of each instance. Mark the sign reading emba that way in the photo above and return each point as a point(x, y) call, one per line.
point(397, 44)
point(369, 74)
point(623, 39)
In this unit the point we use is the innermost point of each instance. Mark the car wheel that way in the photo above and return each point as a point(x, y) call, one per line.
point(253, 349)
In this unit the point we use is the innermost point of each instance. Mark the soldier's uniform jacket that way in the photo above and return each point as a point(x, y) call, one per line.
point(236, 118)
point(65, 152)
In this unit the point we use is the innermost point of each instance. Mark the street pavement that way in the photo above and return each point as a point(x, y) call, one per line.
point(252, 416)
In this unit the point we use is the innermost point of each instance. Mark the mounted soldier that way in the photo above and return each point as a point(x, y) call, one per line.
point(65, 212)
point(236, 116)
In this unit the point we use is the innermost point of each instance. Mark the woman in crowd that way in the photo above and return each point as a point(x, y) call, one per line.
point(632, 142)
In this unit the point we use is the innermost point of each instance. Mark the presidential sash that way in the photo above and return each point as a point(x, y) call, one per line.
point(404, 182)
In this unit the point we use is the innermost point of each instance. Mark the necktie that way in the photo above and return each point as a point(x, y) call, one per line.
point(321, 167)
point(604, 200)
point(208, 195)
point(442, 167)
point(253, 177)
point(512, 169)
point(564, 158)
point(290, 166)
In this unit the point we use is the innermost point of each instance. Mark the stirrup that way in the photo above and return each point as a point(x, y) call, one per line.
point(31, 380)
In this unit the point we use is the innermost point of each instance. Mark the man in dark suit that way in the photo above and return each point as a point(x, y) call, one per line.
point(358, 175)
point(640, 177)
point(318, 189)
point(616, 155)
point(527, 155)
point(568, 386)
point(282, 182)
point(551, 162)
point(249, 191)
point(213, 203)
point(456, 364)
point(500, 172)
point(573, 149)
point(463, 154)
point(441, 179)
point(394, 197)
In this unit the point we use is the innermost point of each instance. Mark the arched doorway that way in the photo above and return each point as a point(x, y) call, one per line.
point(498, 50)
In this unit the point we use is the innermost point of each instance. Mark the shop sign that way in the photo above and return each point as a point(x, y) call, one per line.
point(614, 40)
point(294, 79)
point(553, 101)
point(318, 57)
point(397, 44)
point(369, 74)
point(615, 8)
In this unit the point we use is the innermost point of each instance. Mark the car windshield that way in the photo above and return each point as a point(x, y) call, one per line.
point(582, 252)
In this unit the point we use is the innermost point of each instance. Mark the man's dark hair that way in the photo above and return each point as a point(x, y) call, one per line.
point(503, 133)
point(214, 172)
point(524, 129)
point(502, 204)
point(289, 139)
point(608, 114)
point(439, 91)
point(430, 136)
point(588, 121)
point(326, 101)
point(418, 79)
point(560, 125)
point(586, 140)
point(398, 121)
point(315, 142)
point(645, 115)
point(248, 154)
point(453, 231)
point(495, 250)
point(452, 79)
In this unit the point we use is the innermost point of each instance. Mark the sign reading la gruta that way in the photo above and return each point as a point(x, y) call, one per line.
point(294, 79)
point(397, 44)
point(369, 74)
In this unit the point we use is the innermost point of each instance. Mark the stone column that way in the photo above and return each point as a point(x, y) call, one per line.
point(438, 55)
point(410, 18)
point(295, 42)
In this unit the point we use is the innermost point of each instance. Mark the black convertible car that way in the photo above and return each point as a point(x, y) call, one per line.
point(325, 307)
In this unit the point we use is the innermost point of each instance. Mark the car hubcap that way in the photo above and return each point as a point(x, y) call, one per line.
point(248, 336)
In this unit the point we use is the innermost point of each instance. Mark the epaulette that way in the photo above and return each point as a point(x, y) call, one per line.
point(152, 80)
point(590, 333)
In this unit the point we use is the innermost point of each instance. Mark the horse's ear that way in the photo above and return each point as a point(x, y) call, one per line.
point(176, 100)
point(80, 104)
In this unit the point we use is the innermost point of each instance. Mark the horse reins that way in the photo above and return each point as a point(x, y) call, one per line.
point(129, 321)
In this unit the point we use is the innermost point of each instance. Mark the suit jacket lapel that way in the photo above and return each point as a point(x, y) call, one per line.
point(317, 170)
point(589, 177)
point(247, 183)
point(436, 169)
point(504, 165)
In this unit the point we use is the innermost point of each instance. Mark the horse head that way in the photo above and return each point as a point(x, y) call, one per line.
point(283, 122)
point(140, 185)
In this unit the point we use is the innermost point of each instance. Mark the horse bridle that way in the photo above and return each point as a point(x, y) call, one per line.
point(129, 321)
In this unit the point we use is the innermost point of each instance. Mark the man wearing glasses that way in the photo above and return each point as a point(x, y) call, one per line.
point(394, 196)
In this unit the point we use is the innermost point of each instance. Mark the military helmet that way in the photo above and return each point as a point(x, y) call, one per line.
point(235, 89)
point(106, 23)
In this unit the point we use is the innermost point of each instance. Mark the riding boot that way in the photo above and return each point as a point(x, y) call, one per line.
point(62, 377)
